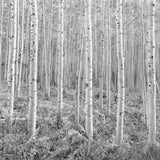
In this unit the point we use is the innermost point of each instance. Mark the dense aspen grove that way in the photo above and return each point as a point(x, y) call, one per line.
point(79, 80)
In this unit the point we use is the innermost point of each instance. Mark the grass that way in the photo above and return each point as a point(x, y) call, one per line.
point(68, 143)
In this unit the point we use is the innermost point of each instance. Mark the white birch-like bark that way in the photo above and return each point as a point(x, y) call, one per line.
point(34, 61)
point(102, 60)
point(90, 76)
point(79, 79)
point(152, 78)
point(22, 49)
point(1, 33)
point(13, 63)
point(121, 84)
point(86, 68)
point(60, 62)
point(17, 52)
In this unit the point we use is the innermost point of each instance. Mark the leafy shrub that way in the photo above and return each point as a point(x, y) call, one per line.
point(18, 147)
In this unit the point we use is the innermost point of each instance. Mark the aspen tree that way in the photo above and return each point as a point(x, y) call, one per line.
point(30, 104)
point(50, 51)
point(86, 69)
point(90, 73)
point(121, 86)
point(95, 45)
point(143, 63)
point(66, 46)
point(147, 57)
point(109, 66)
point(22, 48)
point(13, 63)
point(107, 57)
point(60, 63)
point(35, 67)
point(59, 116)
point(152, 79)
point(118, 64)
point(132, 47)
point(102, 60)
point(34, 52)
point(7, 58)
point(47, 94)
point(41, 58)
point(11, 32)
point(27, 45)
point(79, 80)
point(1, 32)
point(17, 52)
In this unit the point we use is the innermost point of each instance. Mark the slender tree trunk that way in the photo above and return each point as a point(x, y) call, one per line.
point(1, 33)
point(86, 70)
point(22, 49)
point(45, 51)
point(121, 86)
point(8, 57)
point(109, 59)
point(90, 74)
point(17, 52)
point(33, 71)
point(152, 80)
point(79, 80)
point(13, 63)
point(132, 47)
point(102, 60)
point(11, 32)
point(143, 65)
point(60, 65)
point(30, 118)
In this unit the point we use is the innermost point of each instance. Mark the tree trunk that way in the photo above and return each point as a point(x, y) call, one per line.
point(90, 74)
point(1, 34)
point(13, 62)
point(22, 49)
point(60, 65)
point(152, 79)
point(33, 72)
point(121, 86)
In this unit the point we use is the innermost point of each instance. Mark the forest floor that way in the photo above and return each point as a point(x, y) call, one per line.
point(68, 143)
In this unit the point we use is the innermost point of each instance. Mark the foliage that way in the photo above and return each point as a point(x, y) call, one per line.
point(71, 143)
point(18, 147)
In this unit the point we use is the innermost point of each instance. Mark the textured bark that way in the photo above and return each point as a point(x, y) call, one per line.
point(143, 64)
point(60, 63)
point(33, 71)
point(13, 63)
point(78, 94)
point(7, 56)
point(109, 59)
point(152, 78)
point(102, 60)
point(121, 84)
point(21, 49)
point(45, 37)
point(17, 51)
point(90, 73)
point(11, 32)
point(86, 70)
point(1, 32)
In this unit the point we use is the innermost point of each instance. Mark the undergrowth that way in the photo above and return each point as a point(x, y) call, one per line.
point(69, 143)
